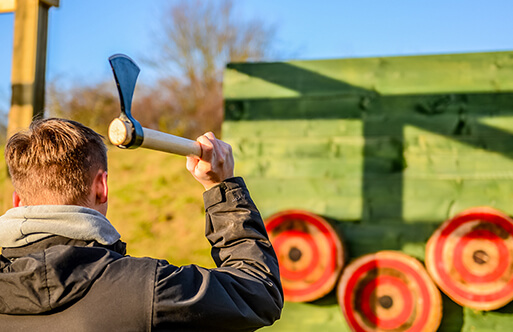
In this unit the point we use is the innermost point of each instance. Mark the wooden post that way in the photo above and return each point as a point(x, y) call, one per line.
point(28, 66)
point(29, 62)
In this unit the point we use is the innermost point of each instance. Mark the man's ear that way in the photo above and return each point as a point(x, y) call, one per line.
point(101, 187)
point(16, 200)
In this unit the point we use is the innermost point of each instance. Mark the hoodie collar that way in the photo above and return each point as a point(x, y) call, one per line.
point(28, 224)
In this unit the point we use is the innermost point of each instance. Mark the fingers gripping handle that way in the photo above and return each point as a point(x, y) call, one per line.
point(120, 133)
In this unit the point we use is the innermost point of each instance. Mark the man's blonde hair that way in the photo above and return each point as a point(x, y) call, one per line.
point(55, 161)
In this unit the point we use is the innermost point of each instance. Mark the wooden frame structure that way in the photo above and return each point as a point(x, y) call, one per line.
point(29, 59)
point(28, 65)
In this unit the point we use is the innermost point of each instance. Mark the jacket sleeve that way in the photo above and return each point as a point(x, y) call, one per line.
point(244, 292)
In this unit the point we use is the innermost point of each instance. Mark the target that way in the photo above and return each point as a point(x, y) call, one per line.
point(389, 291)
point(310, 254)
point(470, 258)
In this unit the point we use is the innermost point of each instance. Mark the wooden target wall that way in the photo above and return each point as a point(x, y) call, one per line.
point(310, 254)
point(470, 258)
point(384, 147)
point(389, 291)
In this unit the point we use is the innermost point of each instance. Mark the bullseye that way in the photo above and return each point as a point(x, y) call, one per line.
point(296, 264)
point(391, 309)
point(470, 258)
point(482, 264)
point(310, 254)
point(389, 291)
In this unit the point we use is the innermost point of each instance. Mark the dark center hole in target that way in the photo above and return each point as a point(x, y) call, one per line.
point(386, 301)
point(295, 254)
point(480, 257)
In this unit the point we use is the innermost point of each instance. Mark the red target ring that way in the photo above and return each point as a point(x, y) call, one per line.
point(470, 258)
point(310, 254)
point(372, 288)
point(389, 291)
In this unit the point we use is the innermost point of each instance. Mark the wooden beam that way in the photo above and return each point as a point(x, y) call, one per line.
point(29, 63)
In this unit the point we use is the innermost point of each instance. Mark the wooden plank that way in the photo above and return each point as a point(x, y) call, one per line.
point(293, 128)
point(484, 143)
point(346, 208)
point(321, 168)
point(299, 147)
point(431, 74)
point(386, 148)
point(321, 196)
point(477, 165)
point(485, 154)
point(438, 199)
point(311, 188)
point(28, 65)
point(294, 108)
point(429, 107)
point(281, 80)
point(300, 169)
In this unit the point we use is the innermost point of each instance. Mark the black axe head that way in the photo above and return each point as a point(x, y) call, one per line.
point(125, 73)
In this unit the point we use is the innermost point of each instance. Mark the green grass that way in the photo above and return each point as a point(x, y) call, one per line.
point(157, 206)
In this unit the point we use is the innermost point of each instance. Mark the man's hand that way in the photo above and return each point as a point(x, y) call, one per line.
point(216, 163)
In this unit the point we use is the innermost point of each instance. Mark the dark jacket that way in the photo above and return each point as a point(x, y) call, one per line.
point(61, 284)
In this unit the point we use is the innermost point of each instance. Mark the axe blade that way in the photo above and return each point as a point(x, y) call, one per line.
point(126, 72)
point(126, 132)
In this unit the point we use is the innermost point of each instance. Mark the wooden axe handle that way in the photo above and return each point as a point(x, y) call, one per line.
point(120, 133)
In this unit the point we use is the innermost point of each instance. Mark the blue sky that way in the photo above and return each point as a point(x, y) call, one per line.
point(83, 34)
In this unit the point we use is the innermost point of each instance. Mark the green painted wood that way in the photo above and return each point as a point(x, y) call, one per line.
point(384, 148)
point(313, 317)
point(327, 197)
point(482, 321)
point(333, 168)
point(438, 200)
point(451, 73)
point(433, 181)
point(294, 128)
point(362, 105)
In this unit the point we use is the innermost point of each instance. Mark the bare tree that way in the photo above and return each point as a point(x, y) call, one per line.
point(195, 41)
point(93, 106)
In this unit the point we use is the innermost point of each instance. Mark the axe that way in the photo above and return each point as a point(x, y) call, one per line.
point(125, 131)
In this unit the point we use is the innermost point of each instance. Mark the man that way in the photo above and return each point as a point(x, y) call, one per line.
point(63, 267)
